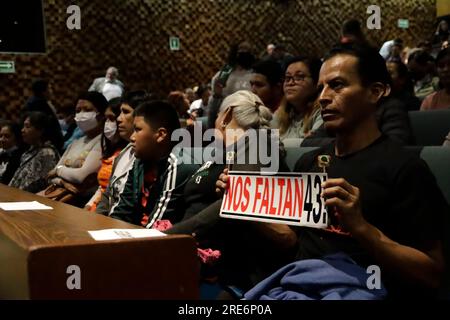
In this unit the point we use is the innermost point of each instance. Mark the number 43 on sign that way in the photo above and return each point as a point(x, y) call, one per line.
point(292, 199)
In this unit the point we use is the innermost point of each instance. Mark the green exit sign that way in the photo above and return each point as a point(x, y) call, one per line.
point(403, 23)
point(174, 43)
point(7, 67)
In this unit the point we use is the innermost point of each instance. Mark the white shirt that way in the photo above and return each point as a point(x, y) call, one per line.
point(197, 104)
point(111, 90)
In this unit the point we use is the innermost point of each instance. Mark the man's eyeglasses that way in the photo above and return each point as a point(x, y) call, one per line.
point(297, 78)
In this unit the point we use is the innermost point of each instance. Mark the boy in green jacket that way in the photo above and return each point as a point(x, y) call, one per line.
point(155, 184)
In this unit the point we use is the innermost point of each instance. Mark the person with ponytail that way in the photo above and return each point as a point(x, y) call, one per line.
point(250, 250)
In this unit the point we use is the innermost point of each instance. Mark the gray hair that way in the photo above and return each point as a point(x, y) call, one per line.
point(248, 110)
point(113, 70)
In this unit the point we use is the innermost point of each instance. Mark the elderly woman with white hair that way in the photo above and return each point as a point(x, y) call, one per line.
point(250, 250)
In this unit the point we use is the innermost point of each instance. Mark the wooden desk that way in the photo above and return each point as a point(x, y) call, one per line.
point(36, 248)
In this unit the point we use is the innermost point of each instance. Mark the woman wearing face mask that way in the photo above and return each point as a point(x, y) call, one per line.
point(299, 115)
point(82, 159)
point(41, 155)
point(112, 145)
point(11, 150)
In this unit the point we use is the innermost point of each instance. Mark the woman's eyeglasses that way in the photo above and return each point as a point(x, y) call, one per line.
point(297, 78)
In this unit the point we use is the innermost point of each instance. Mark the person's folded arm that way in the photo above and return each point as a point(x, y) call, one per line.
point(91, 164)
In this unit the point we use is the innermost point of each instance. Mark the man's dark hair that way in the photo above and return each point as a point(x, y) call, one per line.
point(97, 99)
point(271, 70)
point(398, 42)
point(371, 65)
point(15, 129)
point(135, 98)
point(67, 109)
point(201, 90)
point(351, 26)
point(403, 73)
point(39, 87)
point(421, 57)
point(159, 114)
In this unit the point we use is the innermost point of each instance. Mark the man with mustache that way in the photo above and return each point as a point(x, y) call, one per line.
point(384, 203)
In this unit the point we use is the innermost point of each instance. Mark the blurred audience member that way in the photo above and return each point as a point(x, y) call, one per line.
point(199, 108)
point(421, 66)
point(440, 99)
point(41, 155)
point(181, 104)
point(234, 76)
point(267, 83)
point(351, 33)
point(11, 149)
point(39, 102)
point(190, 94)
point(109, 85)
point(402, 85)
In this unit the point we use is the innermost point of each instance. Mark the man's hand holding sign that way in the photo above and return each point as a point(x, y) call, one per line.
point(345, 201)
point(342, 198)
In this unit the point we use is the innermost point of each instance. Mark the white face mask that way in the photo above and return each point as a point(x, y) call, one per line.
point(86, 121)
point(110, 129)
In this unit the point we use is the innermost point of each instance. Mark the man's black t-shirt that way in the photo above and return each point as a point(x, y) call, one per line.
point(399, 196)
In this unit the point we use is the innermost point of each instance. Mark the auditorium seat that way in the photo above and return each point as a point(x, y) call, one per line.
point(438, 159)
point(294, 153)
point(429, 128)
point(203, 120)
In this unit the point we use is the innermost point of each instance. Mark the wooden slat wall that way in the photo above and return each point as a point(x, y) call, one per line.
point(134, 36)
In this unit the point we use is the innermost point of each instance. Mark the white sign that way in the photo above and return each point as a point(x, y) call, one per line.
point(293, 199)
point(27, 205)
point(115, 234)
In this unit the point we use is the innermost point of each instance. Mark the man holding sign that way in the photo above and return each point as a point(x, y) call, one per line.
point(385, 207)
point(384, 203)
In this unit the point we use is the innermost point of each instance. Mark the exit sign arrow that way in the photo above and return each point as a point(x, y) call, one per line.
point(7, 67)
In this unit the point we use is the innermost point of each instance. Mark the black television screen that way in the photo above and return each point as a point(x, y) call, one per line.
point(22, 26)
